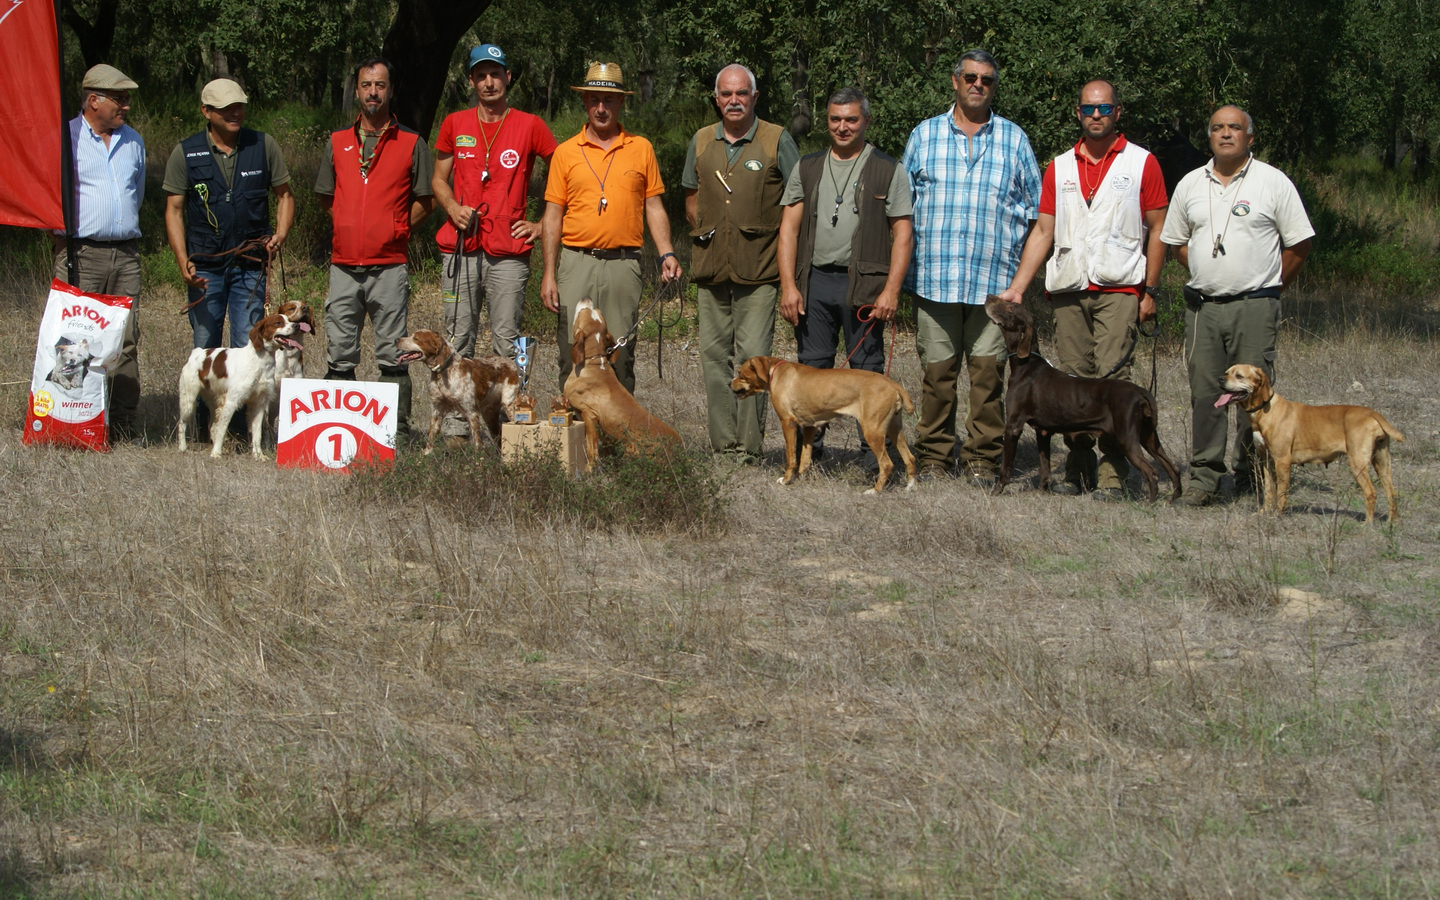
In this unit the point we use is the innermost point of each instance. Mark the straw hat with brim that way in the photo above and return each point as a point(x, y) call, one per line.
point(605, 78)
point(107, 78)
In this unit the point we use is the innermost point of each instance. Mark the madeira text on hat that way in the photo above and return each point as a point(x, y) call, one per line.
point(107, 78)
point(603, 76)
point(486, 53)
point(222, 92)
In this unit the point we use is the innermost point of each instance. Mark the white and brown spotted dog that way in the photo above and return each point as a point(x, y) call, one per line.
point(477, 389)
point(1288, 434)
point(229, 378)
point(290, 360)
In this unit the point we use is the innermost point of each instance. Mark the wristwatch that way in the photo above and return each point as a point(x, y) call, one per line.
point(1152, 290)
point(665, 256)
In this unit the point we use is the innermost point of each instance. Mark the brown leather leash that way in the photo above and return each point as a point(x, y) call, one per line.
point(240, 253)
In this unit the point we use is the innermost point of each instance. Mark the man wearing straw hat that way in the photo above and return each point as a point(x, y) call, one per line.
point(484, 158)
point(604, 187)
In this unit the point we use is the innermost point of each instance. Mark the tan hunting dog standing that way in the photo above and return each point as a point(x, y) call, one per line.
point(597, 394)
point(806, 398)
point(1289, 433)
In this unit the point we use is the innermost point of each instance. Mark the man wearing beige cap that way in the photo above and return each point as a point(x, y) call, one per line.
point(604, 187)
point(109, 185)
point(217, 215)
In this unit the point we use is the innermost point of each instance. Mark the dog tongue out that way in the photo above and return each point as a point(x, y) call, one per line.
point(1224, 399)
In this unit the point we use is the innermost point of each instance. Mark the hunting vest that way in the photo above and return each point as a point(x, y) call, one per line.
point(737, 219)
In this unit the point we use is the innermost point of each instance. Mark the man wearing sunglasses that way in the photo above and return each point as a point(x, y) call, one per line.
point(109, 159)
point(484, 159)
point(976, 187)
point(1240, 228)
point(1102, 205)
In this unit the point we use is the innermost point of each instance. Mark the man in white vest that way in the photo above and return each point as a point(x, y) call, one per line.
point(1102, 205)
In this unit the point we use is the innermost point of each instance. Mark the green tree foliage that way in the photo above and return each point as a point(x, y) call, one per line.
point(1319, 76)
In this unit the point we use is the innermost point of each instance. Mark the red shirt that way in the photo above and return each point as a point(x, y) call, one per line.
point(1152, 187)
point(507, 150)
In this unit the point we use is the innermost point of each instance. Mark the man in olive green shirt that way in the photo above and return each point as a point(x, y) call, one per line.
point(735, 172)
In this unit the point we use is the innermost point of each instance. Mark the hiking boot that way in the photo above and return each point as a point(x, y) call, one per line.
point(1244, 484)
point(1195, 497)
point(1066, 488)
point(980, 477)
point(1108, 494)
point(933, 472)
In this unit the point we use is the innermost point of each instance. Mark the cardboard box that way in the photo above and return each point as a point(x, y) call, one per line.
point(567, 444)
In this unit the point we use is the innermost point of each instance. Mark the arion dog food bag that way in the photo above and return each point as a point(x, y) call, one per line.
point(81, 336)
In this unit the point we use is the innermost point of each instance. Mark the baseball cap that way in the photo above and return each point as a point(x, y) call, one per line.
point(222, 92)
point(107, 78)
point(486, 53)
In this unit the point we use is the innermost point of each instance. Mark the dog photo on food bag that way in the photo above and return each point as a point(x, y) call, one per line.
point(72, 362)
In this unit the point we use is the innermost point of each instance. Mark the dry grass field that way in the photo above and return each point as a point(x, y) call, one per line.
point(222, 680)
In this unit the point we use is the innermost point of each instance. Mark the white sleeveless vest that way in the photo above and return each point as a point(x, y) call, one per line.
point(1102, 243)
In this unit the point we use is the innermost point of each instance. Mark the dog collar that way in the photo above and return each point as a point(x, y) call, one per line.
point(776, 366)
point(436, 370)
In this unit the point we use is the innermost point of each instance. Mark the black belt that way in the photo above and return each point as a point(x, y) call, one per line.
point(832, 270)
point(1194, 297)
point(99, 243)
point(608, 253)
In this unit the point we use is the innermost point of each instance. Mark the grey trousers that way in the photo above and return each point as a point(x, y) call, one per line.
point(105, 268)
point(382, 293)
point(471, 279)
point(615, 286)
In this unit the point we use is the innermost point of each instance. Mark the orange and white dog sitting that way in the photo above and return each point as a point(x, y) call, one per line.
point(229, 378)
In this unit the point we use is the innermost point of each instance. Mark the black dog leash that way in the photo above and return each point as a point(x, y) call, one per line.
point(1139, 333)
point(659, 297)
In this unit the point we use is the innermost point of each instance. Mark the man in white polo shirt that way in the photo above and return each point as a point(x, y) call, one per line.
point(1102, 205)
point(1238, 225)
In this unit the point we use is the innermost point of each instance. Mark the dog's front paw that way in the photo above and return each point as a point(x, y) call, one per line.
point(910, 485)
point(871, 493)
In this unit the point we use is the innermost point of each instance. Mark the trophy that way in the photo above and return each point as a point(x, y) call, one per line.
point(524, 403)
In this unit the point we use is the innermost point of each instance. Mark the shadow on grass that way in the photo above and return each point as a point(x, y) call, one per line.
point(645, 493)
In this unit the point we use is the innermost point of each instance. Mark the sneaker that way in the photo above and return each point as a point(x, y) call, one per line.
point(1195, 497)
point(1065, 488)
point(1108, 494)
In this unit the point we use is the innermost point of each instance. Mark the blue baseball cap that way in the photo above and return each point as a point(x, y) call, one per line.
point(486, 53)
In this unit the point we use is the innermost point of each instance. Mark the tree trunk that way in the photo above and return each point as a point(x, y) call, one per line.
point(800, 121)
point(95, 37)
point(420, 42)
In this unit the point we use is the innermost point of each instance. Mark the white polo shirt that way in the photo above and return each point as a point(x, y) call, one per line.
point(1253, 217)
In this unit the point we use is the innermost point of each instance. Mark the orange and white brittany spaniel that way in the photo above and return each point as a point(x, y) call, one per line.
point(229, 378)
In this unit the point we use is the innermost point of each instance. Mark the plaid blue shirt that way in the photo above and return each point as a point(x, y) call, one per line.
point(974, 201)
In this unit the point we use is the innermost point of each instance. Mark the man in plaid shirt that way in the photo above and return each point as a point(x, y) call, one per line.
point(977, 190)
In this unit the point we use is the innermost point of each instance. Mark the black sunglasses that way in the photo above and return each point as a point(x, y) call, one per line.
point(1089, 109)
point(986, 80)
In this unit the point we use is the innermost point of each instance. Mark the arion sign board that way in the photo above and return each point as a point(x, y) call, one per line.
point(336, 425)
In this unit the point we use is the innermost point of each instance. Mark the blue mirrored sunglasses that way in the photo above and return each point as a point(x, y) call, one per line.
point(1088, 109)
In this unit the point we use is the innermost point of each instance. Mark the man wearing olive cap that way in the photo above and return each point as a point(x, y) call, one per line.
point(218, 184)
point(109, 158)
point(604, 187)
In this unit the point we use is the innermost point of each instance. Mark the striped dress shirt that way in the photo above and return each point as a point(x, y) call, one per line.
point(974, 200)
point(109, 182)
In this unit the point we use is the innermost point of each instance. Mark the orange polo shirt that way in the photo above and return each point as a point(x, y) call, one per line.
point(629, 174)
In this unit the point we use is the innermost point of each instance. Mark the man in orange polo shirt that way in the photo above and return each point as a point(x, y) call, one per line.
point(1097, 202)
point(604, 187)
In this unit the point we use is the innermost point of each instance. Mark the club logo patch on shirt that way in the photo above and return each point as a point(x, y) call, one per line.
point(754, 165)
point(1241, 208)
point(1121, 182)
point(465, 140)
point(509, 159)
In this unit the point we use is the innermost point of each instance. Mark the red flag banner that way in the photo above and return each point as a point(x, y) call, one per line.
point(30, 124)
